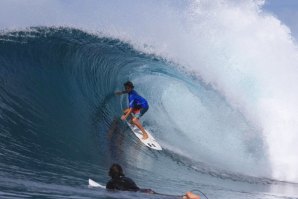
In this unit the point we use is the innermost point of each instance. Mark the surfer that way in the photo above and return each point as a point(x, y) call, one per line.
point(138, 106)
point(120, 182)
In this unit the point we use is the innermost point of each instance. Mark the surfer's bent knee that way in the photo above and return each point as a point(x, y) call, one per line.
point(135, 119)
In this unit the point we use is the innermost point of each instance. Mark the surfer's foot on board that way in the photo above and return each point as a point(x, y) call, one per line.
point(145, 136)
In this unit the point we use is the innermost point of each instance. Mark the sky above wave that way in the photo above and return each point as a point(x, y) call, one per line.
point(286, 11)
point(13, 13)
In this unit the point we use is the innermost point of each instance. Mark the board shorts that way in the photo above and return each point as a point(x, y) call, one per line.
point(137, 113)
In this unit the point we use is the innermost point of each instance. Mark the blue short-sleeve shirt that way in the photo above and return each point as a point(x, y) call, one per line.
point(136, 101)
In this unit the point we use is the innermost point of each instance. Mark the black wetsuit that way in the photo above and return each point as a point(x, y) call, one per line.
point(123, 183)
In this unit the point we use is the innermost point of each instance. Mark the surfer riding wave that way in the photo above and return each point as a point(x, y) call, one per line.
point(138, 106)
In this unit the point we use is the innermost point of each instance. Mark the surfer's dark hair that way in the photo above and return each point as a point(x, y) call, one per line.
point(128, 84)
point(116, 171)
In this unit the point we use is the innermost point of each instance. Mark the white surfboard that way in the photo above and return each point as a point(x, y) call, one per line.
point(149, 142)
point(94, 184)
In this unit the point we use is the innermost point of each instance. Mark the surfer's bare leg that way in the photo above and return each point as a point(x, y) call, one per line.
point(136, 121)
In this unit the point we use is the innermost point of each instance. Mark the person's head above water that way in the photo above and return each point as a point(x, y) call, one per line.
point(128, 85)
point(116, 171)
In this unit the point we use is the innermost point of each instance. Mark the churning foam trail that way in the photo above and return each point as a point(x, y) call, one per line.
point(244, 53)
point(252, 60)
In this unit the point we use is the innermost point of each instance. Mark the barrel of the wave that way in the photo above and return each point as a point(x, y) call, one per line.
point(138, 106)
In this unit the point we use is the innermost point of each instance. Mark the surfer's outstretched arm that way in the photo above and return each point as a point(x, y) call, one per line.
point(127, 184)
point(187, 195)
point(190, 195)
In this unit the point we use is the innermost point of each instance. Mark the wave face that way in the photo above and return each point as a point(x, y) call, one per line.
point(58, 84)
point(219, 96)
point(60, 117)
point(247, 55)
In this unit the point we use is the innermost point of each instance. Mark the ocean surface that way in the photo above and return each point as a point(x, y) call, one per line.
point(222, 107)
